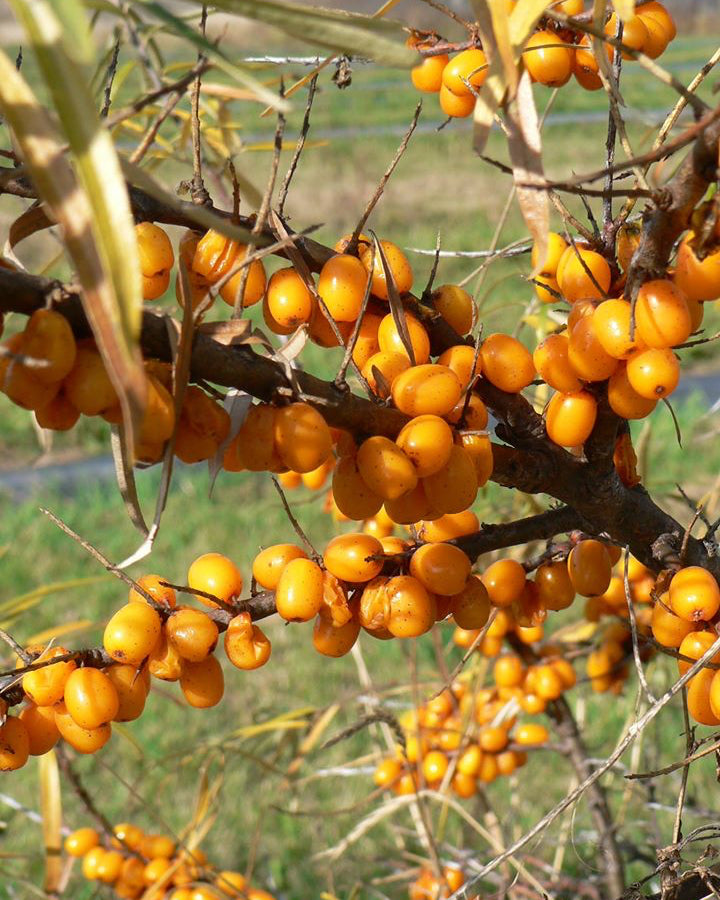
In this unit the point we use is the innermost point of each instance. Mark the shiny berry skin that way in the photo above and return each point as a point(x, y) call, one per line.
point(667, 628)
point(456, 306)
point(441, 568)
point(132, 634)
point(411, 607)
point(699, 693)
point(299, 594)
point(556, 246)
point(88, 386)
point(461, 359)
point(390, 341)
point(590, 568)
point(78, 842)
point(131, 689)
point(555, 588)
point(335, 641)
point(506, 363)
point(587, 355)
point(302, 437)
point(41, 728)
point(410, 507)
point(347, 557)
point(217, 575)
point(351, 494)
point(398, 265)
point(662, 314)
point(454, 487)
point(469, 66)
point(695, 645)
point(635, 35)
point(553, 366)
point(91, 698)
point(289, 301)
point(697, 279)
point(694, 594)
point(270, 562)
point(367, 343)
point(165, 662)
point(547, 60)
point(570, 418)
point(624, 399)
point(653, 373)
point(576, 266)
point(83, 740)
point(14, 744)
point(427, 441)
point(246, 645)
point(46, 686)
point(162, 594)
point(255, 281)
point(203, 683)
point(427, 77)
point(611, 325)
point(504, 581)
point(531, 734)
point(49, 337)
point(429, 389)
point(192, 633)
point(389, 365)
point(341, 285)
point(471, 606)
point(449, 526)
point(385, 469)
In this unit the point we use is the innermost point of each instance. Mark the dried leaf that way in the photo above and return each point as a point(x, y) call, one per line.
point(125, 477)
point(51, 809)
point(396, 307)
point(624, 8)
point(525, 150)
point(237, 405)
point(233, 331)
point(294, 344)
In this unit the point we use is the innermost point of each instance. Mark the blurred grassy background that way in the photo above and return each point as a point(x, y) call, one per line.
point(150, 771)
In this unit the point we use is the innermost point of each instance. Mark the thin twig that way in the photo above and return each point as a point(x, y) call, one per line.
point(634, 630)
point(689, 747)
point(282, 196)
point(294, 522)
point(110, 77)
point(199, 193)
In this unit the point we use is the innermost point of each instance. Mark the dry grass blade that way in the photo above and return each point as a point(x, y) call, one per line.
point(51, 809)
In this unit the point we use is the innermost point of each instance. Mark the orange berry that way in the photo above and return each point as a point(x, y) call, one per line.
point(493, 739)
point(91, 698)
point(429, 389)
point(246, 645)
point(162, 594)
point(202, 683)
point(132, 634)
point(192, 633)
point(547, 60)
point(555, 589)
point(587, 355)
point(465, 786)
point(698, 279)
point(299, 594)
point(78, 842)
point(506, 363)
point(590, 568)
point(694, 594)
point(454, 487)
point(546, 289)
point(204, 424)
point(659, 13)
point(531, 734)
point(387, 772)
point(474, 413)
point(254, 443)
point(662, 314)
point(87, 386)
point(322, 332)
point(456, 306)
point(653, 373)
point(49, 337)
point(471, 606)
point(469, 66)
point(411, 608)
point(427, 440)
point(289, 301)
point(624, 399)
point(217, 575)
point(367, 342)
point(109, 866)
point(440, 568)
point(131, 690)
point(699, 695)
point(570, 418)
point(165, 662)
point(270, 562)
point(332, 640)
point(611, 325)
point(273, 324)
point(341, 285)
point(382, 369)
point(556, 246)
point(505, 582)
point(351, 493)
point(316, 478)
point(255, 280)
point(635, 35)
point(45, 686)
point(400, 269)
point(347, 557)
point(434, 766)
point(461, 359)
point(449, 526)
point(389, 338)
point(694, 645)
point(14, 744)
point(302, 437)
point(508, 671)
point(385, 469)
point(409, 508)
point(553, 366)
point(582, 273)
point(427, 77)
point(83, 740)
point(58, 414)
point(667, 628)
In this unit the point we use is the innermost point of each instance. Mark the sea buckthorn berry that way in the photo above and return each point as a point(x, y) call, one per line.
point(385, 469)
point(84, 740)
point(270, 562)
point(590, 568)
point(387, 772)
point(635, 35)
point(659, 13)
point(289, 301)
point(465, 786)
point(427, 441)
point(411, 608)
point(469, 66)
point(430, 389)
point(271, 322)
point(546, 289)
point(653, 373)
point(351, 493)
point(553, 366)
point(19, 381)
point(698, 279)
point(667, 628)
point(479, 448)
point(699, 694)
point(506, 363)
point(192, 633)
point(155, 870)
point(427, 77)
point(662, 314)
point(556, 246)
point(657, 39)
point(14, 744)
point(109, 866)
point(131, 690)
point(58, 414)
point(624, 399)
point(165, 662)
point(508, 671)
point(449, 526)
point(203, 683)
point(156, 259)
point(153, 585)
point(470, 608)
point(493, 739)
point(215, 574)
point(87, 386)
point(203, 426)
point(324, 331)
point(547, 683)
point(334, 641)
point(302, 437)
point(49, 337)
point(45, 686)
point(440, 568)
point(454, 488)
point(389, 338)
point(91, 862)
point(347, 557)
point(462, 360)
point(611, 325)
point(400, 269)
point(456, 306)
point(695, 645)
point(91, 698)
point(254, 443)
point(473, 413)
point(555, 588)
point(367, 341)
point(505, 582)
point(587, 355)
point(547, 59)
point(246, 645)
point(694, 594)
point(299, 594)
point(570, 418)
point(382, 369)
point(132, 633)
point(341, 285)
point(531, 734)
point(255, 283)
point(434, 766)
point(409, 508)
point(582, 273)
point(78, 842)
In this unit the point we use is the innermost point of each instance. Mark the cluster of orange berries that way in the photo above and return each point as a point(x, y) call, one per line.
point(465, 738)
point(552, 55)
point(429, 886)
point(132, 861)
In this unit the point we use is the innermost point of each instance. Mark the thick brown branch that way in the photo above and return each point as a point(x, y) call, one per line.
point(510, 534)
